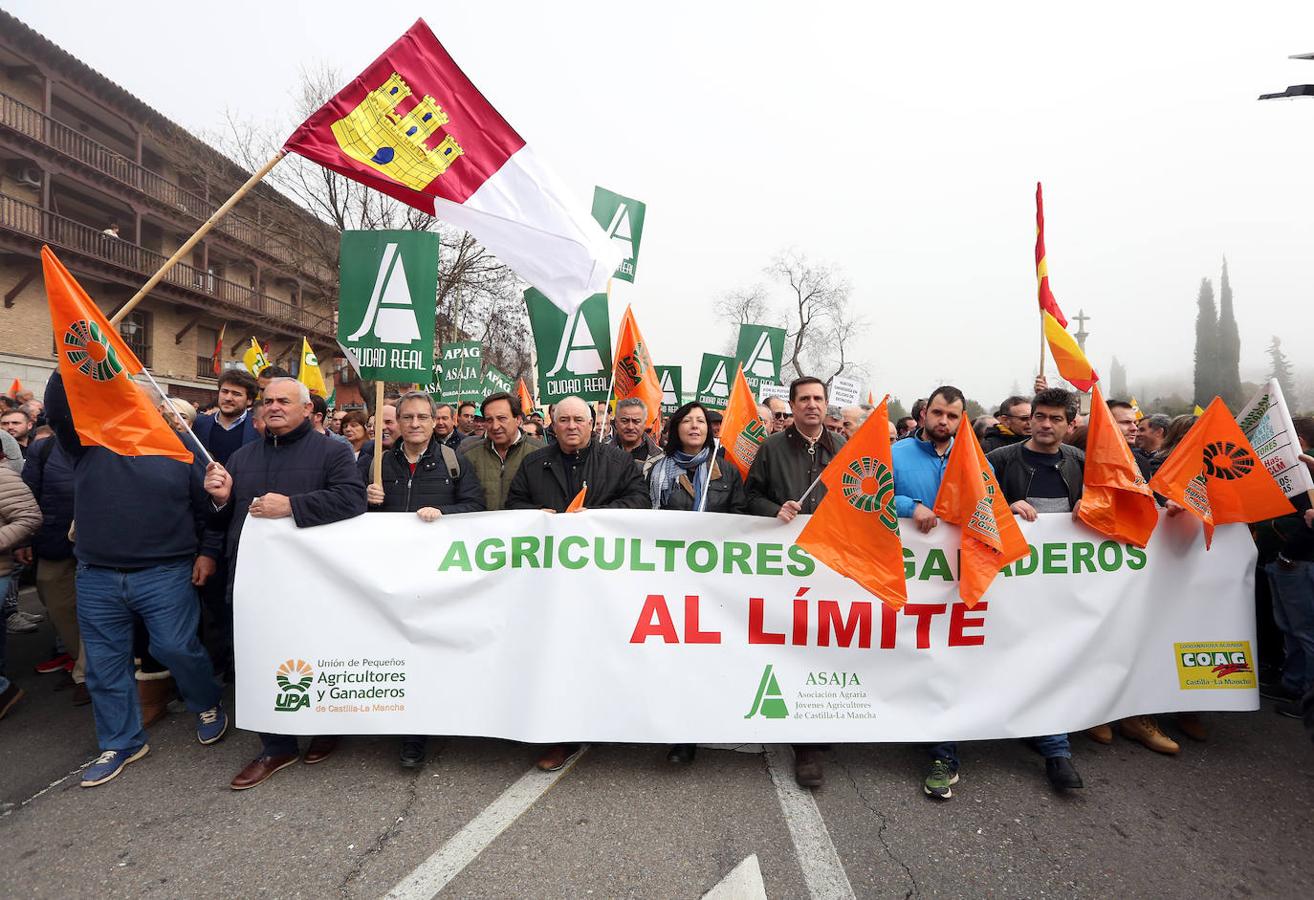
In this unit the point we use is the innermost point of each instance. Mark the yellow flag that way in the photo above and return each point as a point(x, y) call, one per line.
point(309, 374)
point(1198, 411)
point(254, 359)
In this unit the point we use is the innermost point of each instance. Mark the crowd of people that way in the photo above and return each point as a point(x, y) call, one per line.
point(142, 612)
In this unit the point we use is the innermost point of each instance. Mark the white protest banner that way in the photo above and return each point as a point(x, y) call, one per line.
point(676, 627)
point(843, 391)
point(766, 390)
point(1267, 425)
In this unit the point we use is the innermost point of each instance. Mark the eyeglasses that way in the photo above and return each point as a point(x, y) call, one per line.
point(784, 415)
point(416, 417)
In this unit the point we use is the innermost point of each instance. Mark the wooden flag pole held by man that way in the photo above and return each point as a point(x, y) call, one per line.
point(192, 241)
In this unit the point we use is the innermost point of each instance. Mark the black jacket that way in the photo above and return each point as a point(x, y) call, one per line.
point(316, 473)
point(783, 469)
point(547, 479)
point(725, 490)
point(1014, 475)
point(49, 474)
point(431, 485)
point(994, 438)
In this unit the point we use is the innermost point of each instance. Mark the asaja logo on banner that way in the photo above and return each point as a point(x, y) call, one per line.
point(761, 361)
point(769, 703)
point(294, 678)
point(578, 350)
point(718, 385)
point(390, 312)
point(1214, 664)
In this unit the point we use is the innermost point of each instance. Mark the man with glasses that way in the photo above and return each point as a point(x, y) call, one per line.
point(424, 476)
point(1014, 424)
point(781, 417)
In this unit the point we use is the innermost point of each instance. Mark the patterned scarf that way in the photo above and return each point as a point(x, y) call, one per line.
point(664, 475)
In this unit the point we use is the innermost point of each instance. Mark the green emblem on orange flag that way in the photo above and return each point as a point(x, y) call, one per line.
point(90, 352)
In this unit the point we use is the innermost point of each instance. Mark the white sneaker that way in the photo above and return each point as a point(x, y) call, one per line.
point(30, 616)
point(16, 624)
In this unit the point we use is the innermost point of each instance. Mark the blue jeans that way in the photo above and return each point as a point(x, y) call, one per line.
point(4, 635)
point(1293, 610)
point(1048, 746)
point(164, 598)
point(947, 751)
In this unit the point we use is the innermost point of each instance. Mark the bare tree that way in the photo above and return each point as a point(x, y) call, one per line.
point(823, 324)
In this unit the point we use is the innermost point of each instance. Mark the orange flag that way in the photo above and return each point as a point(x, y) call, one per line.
point(1214, 473)
point(855, 530)
point(578, 503)
point(526, 401)
point(970, 497)
point(742, 430)
point(1115, 500)
point(633, 374)
point(108, 408)
point(15, 389)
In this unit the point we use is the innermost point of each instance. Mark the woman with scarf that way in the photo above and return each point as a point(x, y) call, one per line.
point(691, 477)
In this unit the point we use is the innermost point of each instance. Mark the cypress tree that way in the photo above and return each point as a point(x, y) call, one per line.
point(1282, 371)
point(1206, 345)
point(1229, 346)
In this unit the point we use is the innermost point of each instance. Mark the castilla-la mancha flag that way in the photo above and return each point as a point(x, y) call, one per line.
point(1214, 473)
point(855, 529)
point(1115, 500)
point(633, 374)
point(108, 407)
point(414, 127)
point(971, 498)
point(742, 430)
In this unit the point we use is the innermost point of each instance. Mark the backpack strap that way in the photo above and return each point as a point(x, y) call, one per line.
point(453, 464)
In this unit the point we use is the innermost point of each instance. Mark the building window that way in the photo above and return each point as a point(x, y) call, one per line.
point(136, 332)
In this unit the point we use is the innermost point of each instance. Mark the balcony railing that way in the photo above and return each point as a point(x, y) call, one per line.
point(66, 233)
point(19, 117)
point(205, 367)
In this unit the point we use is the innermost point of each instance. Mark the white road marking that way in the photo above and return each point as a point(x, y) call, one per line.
point(44, 790)
point(823, 873)
point(434, 874)
point(743, 883)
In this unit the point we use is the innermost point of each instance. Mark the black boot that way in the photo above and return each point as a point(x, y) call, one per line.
point(681, 754)
point(412, 752)
point(1061, 774)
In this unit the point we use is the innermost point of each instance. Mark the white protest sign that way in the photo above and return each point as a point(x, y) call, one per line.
point(843, 391)
point(1267, 425)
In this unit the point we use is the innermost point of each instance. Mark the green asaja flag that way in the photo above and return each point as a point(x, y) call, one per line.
point(760, 350)
point(461, 371)
point(714, 380)
point(496, 381)
point(622, 219)
point(388, 282)
point(671, 378)
point(574, 351)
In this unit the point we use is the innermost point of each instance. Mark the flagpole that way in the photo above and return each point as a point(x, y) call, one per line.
point(814, 483)
point(702, 504)
point(611, 384)
point(169, 400)
point(1043, 341)
point(378, 433)
point(196, 238)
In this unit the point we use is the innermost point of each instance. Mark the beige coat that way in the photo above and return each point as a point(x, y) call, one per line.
point(20, 517)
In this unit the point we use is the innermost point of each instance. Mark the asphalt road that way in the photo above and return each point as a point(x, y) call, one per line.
point(1229, 817)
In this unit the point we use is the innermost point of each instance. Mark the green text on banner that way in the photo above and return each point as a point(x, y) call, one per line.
point(462, 371)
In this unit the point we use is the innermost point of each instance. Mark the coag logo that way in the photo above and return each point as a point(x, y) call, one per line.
point(294, 678)
point(769, 703)
point(90, 351)
point(868, 485)
point(1214, 664)
point(1227, 461)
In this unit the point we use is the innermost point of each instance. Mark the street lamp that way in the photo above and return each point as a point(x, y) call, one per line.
point(1295, 90)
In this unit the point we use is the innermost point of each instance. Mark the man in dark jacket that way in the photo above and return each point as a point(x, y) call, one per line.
point(786, 469)
point(423, 476)
point(1014, 426)
point(142, 547)
point(550, 478)
point(49, 473)
point(497, 457)
point(297, 472)
point(628, 433)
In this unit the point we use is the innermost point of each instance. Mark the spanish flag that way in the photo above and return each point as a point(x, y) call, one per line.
point(308, 372)
point(633, 374)
point(1214, 473)
point(971, 498)
point(526, 401)
point(109, 409)
point(1115, 500)
point(1071, 361)
point(1047, 302)
point(742, 430)
point(855, 530)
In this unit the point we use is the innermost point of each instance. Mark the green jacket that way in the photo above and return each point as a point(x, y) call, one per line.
point(493, 472)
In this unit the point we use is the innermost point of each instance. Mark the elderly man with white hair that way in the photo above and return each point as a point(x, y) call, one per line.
point(853, 417)
point(298, 472)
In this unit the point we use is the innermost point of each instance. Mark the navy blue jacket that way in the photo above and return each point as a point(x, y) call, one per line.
point(204, 427)
point(430, 485)
point(49, 475)
point(132, 511)
point(317, 474)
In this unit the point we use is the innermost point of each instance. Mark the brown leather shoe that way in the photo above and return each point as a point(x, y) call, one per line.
point(81, 696)
point(154, 691)
point(320, 749)
point(259, 769)
point(557, 756)
point(1101, 734)
point(1192, 725)
point(1145, 730)
point(808, 770)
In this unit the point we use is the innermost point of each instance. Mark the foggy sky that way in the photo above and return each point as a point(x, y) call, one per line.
point(901, 144)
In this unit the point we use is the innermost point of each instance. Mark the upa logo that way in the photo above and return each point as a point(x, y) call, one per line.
point(769, 703)
point(294, 678)
point(1203, 665)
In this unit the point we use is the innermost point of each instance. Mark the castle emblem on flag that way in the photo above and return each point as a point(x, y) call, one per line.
point(868, 485)
point(90, 352)
point(374, 133)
